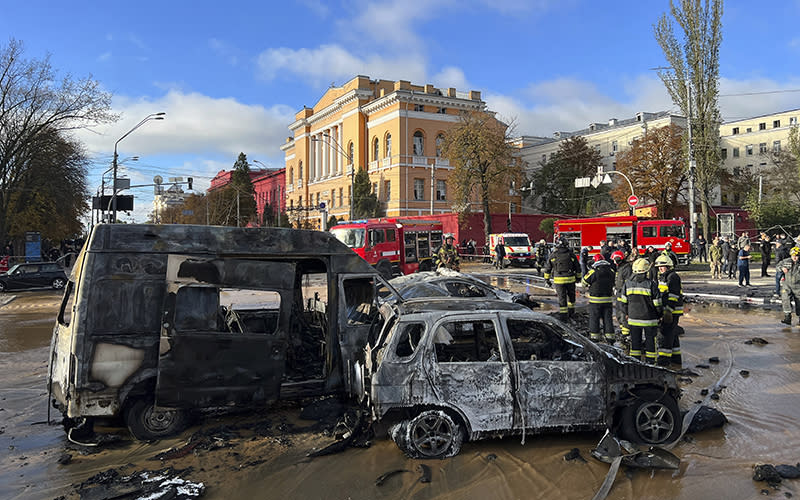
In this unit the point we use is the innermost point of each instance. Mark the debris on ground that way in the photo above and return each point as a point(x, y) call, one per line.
point(756, 341)
point(788, 471)
point(426, 473)
point(688, 372)
point(574, 454)
point(654, 457)
point(707, 418)
point(162, 483)
point(713, 359)
point(704, 366)
point(386, 475)
point(744, 373)
point(768, 473)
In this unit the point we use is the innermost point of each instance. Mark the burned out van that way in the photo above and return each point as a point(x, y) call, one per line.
point(157, 321)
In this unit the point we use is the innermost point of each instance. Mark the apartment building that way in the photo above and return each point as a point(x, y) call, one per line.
point(749, 145)
point(394, 130)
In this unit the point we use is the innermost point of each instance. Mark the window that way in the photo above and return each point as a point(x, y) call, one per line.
point(776, 124)
point(341, 199)
point(439, 144)
point(358, 298)
point(317, 199)
point(724, 153)
point(614, 148)
point(763, 164)
point(408, 341)
point(762, 147)
point(375, 149)
point(735, 152)
point(300, 201)
point(749, 165)
point(544, 158)
point(762, 126)
point(387, 190)
point(419, 107)
point(351, 152)
point(300, 172)
point(466, 341)
point(648, 231)
point(419, 189)
point(391, 235)
point(441, 190)
point(291, 175)
point(419, 143)
point(776, 147)
point(793, 120)
point(442, 111)
point(375, 188)
point(376, 236)
point(735, 130)
point(749, 150)
point(388, 145)
point(535, 341)
point(737, 171)
point(748, 130)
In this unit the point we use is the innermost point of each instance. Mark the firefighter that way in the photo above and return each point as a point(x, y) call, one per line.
point(541, 256)
point(642, 303)
point(790, 285)
point(669, 284)
point(565, 270)
point(624, 271)
point(669, 253)
point(600, 282)
point(448, 255)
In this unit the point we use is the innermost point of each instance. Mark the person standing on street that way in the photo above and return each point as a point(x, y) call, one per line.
point(563, 267)
point(641, 301)
point(701, 248)
point(781, 253)
point(500, 254)
point(600, 282)
point(624, 271)
point(790, 287)
point(743, 240)
point(669, 284)
point(584, 261)
point(715, 256)
point(743, 263)
point(766, 254)
point(448, 255)
point(733, 261)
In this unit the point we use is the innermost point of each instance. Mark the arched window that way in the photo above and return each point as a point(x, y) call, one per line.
point(300, 172)
point(419, 143)
point(351, 150)
point(375, 149)
point(439, 144)
point(388, 145)
point(291, 175)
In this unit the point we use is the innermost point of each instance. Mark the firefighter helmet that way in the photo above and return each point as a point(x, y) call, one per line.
point(598, 257)
point(449, 236)
point(663, 260)
point(618, 255)
point(794, 251)
point(562, 242)
point(641, 266)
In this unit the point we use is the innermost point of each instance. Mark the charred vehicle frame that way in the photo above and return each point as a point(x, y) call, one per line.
point(442, 371)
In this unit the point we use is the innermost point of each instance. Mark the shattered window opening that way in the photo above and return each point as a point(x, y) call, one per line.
point(461, 289)
point(359, 298)
point(65, 313)
point(537, 341)
point(410, 336)
point(466, 341)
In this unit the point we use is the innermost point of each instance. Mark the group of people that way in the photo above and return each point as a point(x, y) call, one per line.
point(648, 306)
point(729, 256)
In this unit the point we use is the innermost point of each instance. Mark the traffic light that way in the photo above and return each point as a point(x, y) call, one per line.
point(189, 183)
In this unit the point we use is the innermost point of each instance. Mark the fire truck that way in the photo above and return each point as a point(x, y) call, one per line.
point(393, 246)
point(639, 233)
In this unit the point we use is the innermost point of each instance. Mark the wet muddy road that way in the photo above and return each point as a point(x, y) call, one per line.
point(762, 409)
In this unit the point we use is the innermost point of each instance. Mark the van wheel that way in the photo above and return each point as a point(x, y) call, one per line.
point(58, 283)
point(146, 422)
point(431, 434)
point(654, 418)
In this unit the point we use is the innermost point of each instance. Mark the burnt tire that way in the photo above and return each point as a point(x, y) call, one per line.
point(58, 283)
point(146, 422)
point(2, 287)
point(653, 418)
point(431, 434)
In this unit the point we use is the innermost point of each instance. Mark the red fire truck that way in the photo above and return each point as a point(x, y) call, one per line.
point(637, 232)
point(393, 246)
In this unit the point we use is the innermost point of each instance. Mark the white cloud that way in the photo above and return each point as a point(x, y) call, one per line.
point(316, 7)
point(746, 98)
point(225, 50)
point(334, 63)
point(451, 76)
point(104, 57)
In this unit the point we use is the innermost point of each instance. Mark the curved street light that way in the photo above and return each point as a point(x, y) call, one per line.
point(152, 116)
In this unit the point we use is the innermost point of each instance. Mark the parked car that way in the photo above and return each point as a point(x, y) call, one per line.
point(447, 283)
point(33, 275)
point(441, 371)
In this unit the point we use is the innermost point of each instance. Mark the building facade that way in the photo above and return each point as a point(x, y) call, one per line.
point(749, 146)
point(394, 130)
point(268, 188)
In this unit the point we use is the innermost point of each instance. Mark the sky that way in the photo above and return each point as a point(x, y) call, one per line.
point(230, 76)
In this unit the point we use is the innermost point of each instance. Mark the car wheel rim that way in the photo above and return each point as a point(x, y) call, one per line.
point(58, 284)
point(432, 434)
point(654, 422)
point(159, 420)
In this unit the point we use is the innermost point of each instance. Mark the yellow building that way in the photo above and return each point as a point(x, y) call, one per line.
point(749, 146)
point(393, 129)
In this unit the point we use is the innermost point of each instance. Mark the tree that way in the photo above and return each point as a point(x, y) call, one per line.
point(772, 211)
point(554, 182)
point(485, 166)
point(365, 201)
point(50, 194)
point(693, 83)
point(548, 226)
point(656, 167)
point(35, 107)
point(243, 186)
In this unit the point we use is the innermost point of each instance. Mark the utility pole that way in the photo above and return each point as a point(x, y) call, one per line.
point(692, 227)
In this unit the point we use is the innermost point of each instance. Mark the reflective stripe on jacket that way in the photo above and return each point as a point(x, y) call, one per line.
point(669, 284)
point(600, 281)
point(562, 266)
point(641, 301)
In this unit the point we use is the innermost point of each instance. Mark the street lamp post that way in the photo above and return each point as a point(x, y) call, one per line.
point(153, 116)
point(349, 158)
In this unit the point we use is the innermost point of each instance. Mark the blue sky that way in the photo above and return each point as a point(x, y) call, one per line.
point(231, 75)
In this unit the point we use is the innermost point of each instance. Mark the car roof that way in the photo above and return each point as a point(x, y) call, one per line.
point(457, 304)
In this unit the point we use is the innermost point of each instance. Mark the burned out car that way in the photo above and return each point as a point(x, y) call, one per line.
point(160, 321)
point(447, 283)
point(444, 370)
